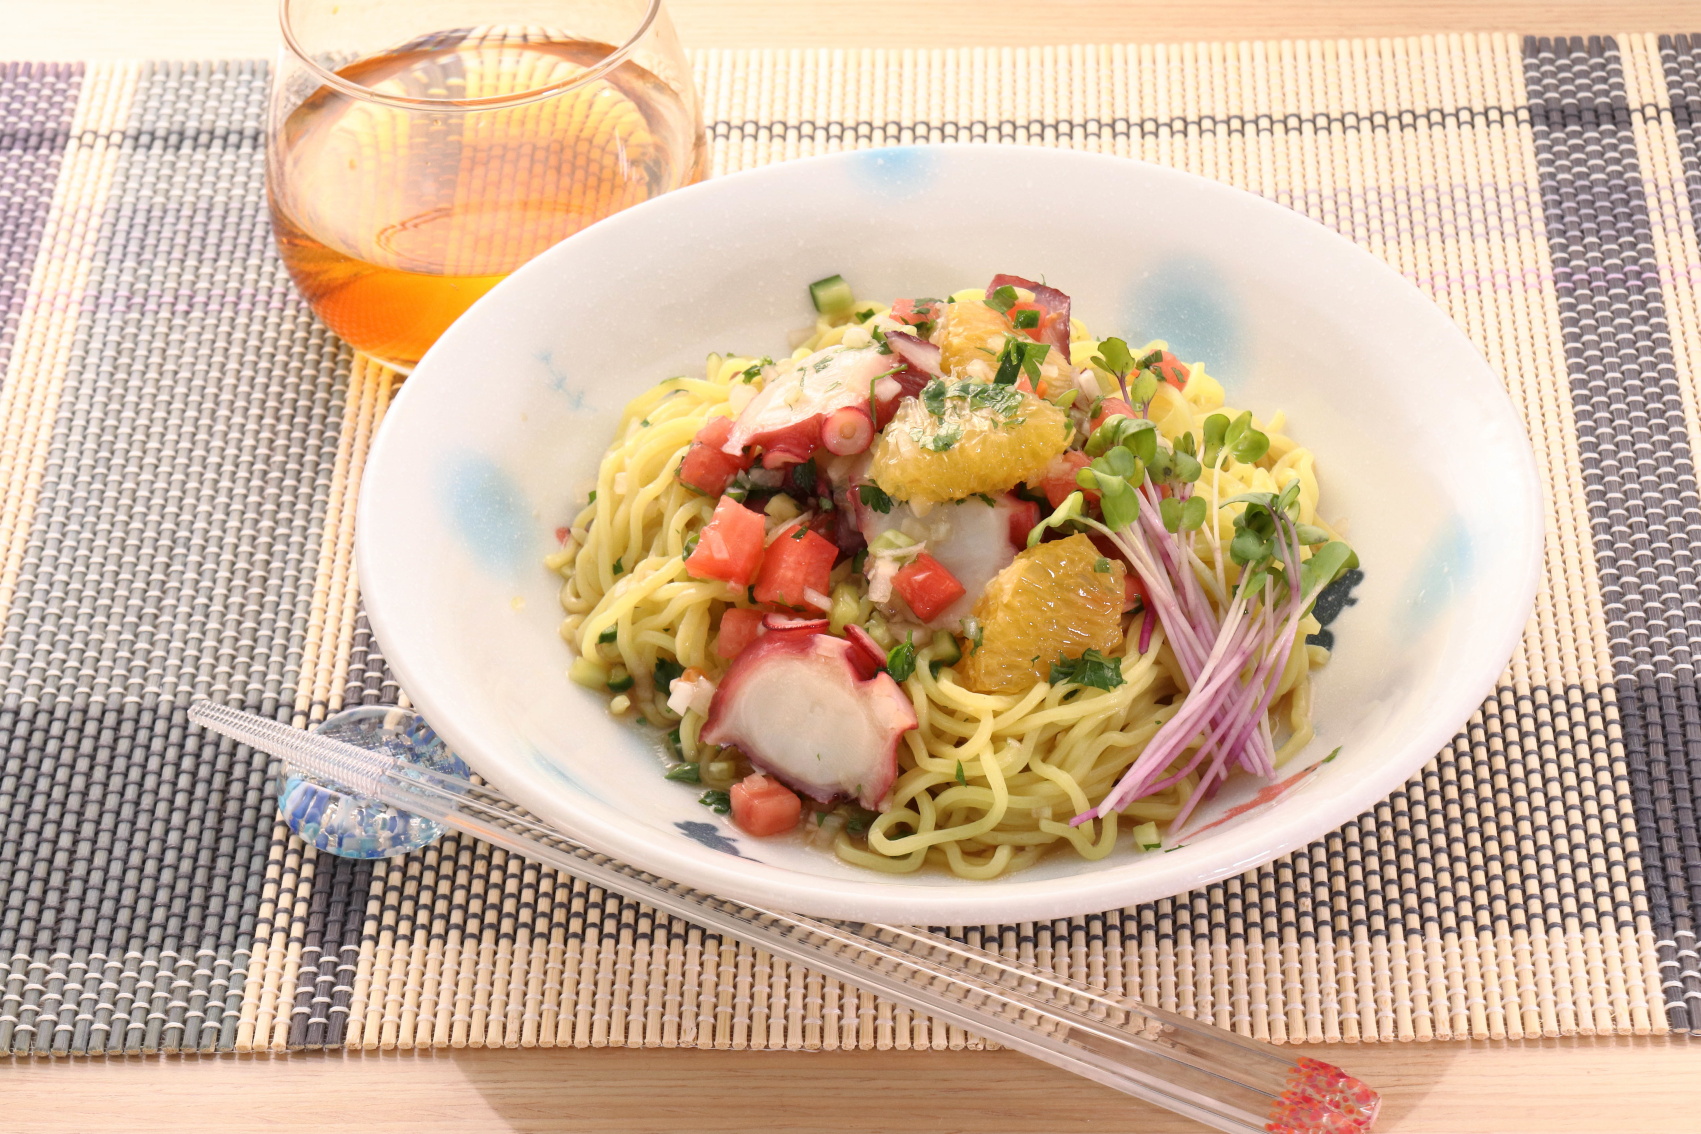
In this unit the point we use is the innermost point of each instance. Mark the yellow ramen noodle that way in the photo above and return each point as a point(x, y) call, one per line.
point(986, 783)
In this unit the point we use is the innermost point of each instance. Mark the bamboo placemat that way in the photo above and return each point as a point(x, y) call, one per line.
point(182, 444)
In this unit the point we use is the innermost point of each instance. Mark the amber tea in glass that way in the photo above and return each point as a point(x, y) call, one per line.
point(406, 181)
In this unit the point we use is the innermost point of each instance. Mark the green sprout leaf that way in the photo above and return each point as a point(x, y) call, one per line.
point(1183, 515)
point(1193, 514)
point(1324, 566)
point(1064, 513)
point(1122, 431)
point(1145, 388)
point(1113, 358)
point(1216, 426)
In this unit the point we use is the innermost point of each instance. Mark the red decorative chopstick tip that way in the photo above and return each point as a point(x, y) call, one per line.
point(1322, 1099)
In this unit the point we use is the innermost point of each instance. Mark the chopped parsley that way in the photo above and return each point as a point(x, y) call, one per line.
point(608, 635)
point(754, 370)
point(900, 660)
point(1102, 567)
point(620, 566)
point(961, 778)
point(719, 802)
point(592, 499)
point(873, 496)
point(1020, 356)
point(941, 439)
point(1005, 399)
point(1025, 320)
point(1002, 299)
point(686, 774)
point(666, 670)
point(800, 531)
point(1091, 668)
point(857, 821)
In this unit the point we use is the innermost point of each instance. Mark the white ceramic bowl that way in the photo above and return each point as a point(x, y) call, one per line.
point(495, 438)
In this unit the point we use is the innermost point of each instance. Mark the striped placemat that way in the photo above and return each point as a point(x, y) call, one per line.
point(181, 446)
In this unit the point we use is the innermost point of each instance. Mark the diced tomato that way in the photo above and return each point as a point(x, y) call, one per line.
point(762, 806)
point(1112, 407)
point(1024, 514)
point(1041, 332)
point(739, 628)
point(798, 562)
point(1059, 480)
point(706, 468)
point(928, 586)
point(1038, 390)
point(730, 546)
point(913, 311)
point(1172, 370)
point(1134, 592)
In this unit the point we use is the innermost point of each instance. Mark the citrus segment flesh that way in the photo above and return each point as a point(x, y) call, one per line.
point(1052, 602)
point(967, 447)
point(972, 332)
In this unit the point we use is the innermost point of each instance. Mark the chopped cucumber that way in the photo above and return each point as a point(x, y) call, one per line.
point(1146, 837)
point(832, 296)
point(945, 648)
point(587, 672)
point(619, 679)
point(891, 540)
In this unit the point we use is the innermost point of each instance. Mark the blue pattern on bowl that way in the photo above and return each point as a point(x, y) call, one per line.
point(558, 379)
point(1437, 576)
point(1186, 303)
point(710, 836)
point(895, 172)
point(487, 510)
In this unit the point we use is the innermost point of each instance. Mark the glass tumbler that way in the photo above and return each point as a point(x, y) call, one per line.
point(420, 150)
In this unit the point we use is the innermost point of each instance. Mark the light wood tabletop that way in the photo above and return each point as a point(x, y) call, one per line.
point(1645, 1086)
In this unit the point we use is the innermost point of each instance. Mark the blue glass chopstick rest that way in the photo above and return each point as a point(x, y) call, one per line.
point(352, 826)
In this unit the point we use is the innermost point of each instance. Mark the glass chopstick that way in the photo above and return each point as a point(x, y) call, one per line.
point(1223, 1080)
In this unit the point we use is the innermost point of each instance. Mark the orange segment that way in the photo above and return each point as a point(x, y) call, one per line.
point(972, 332)
point(965, 449)
point(1051, 602)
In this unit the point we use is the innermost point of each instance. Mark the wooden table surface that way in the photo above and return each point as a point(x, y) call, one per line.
point(1601, 1086)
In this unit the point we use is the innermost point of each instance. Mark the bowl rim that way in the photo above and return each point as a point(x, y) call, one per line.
point(1016, 898)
